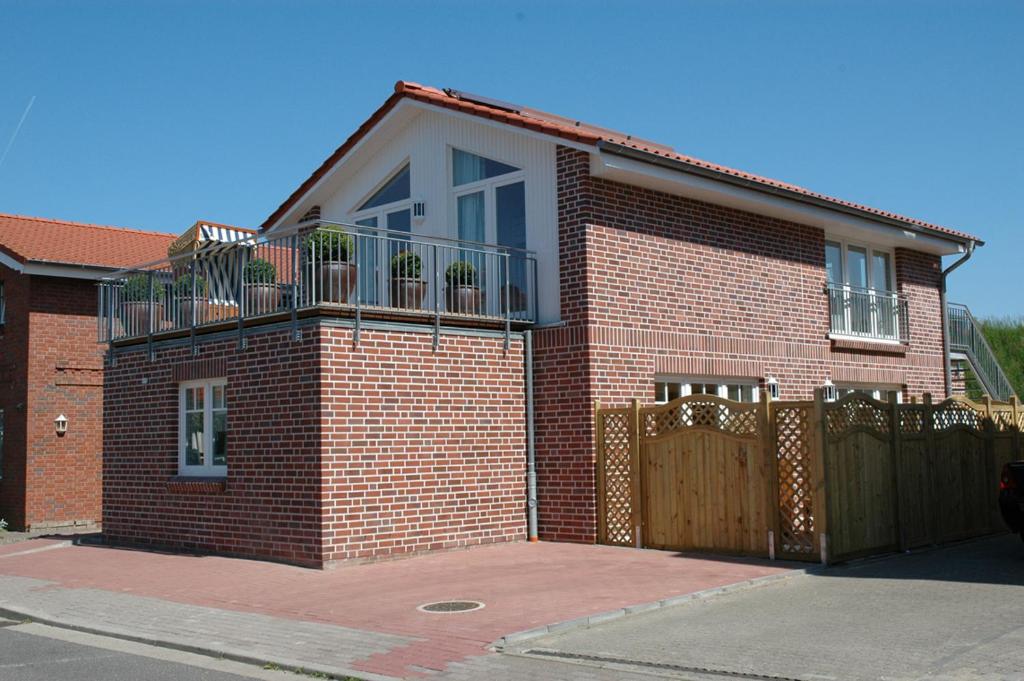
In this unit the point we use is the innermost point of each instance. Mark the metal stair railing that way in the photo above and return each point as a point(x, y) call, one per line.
point(965, 337)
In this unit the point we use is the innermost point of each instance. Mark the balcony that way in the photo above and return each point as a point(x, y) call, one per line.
point(868, 314)
point(321, 268)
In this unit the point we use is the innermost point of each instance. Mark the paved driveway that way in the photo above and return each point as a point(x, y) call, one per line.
point(953, 613)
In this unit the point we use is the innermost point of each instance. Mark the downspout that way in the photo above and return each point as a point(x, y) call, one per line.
point(531, 470)
point(946, 361)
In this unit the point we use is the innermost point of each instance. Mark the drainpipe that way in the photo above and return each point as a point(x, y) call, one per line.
point(531, 471)
point(946, 362)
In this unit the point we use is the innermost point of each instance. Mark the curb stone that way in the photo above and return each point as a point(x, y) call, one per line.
point(602, 617)
point(227, 653)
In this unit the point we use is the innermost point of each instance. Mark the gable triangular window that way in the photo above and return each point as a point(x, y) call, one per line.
point(467, 167)
point(395, 189)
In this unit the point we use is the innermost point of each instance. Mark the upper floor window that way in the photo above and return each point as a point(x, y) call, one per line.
point(738, 390)
point(203, 428)
point(394, 190)
point(862, 293)
point(858, 266)
point(467, 168)
point(3, 305)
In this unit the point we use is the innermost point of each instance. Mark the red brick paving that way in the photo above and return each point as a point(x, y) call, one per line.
point(523, 586)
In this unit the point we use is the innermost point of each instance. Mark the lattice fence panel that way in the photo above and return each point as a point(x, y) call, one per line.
point(912, 419)
point(618, 489)
point(794, 438)
point(735, 418)
point(951, 413)
point(856, 411)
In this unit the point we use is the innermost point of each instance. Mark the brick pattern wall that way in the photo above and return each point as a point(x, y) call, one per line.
point(422, 449)
point(660, 284)
point(13, 396)
point(336, 451)
point(270, 506)
point(65, 369)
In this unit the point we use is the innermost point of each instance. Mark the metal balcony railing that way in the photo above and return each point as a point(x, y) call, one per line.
point(357, 271)
point(868, 313)
point(965, 337)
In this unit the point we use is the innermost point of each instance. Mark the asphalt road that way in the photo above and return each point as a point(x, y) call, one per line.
point(34, 652)
point(951, 613)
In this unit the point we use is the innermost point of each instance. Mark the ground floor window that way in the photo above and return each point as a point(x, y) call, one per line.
point(203, 416)
point(668, 388)
point(878, 393)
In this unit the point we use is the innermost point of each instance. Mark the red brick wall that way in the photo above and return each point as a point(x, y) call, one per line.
point(422, 449)
point(270, 505)
point(65, 377)
point(335, 451)
point(50, 364)
point(660, 284)
point(13, 396)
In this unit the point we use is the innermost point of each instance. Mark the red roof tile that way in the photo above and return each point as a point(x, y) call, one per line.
point(29, 239)
point(576, 131)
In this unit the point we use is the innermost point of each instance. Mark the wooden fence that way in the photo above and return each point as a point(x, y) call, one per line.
point(801, 480)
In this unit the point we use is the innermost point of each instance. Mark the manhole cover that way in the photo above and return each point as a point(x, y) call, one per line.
point(451, 606)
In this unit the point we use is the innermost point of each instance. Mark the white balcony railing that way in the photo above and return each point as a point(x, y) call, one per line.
point(356, 271)
point(868, 313)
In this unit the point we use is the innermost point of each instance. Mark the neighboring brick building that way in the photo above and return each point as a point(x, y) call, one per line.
point(51, 365)
point(647, 275)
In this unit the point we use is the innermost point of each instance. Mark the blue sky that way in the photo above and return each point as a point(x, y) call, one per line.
point(154, 114)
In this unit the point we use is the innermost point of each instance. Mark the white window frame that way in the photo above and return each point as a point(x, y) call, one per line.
point(686, 383)
point(870, 251)
point(207, 469)
point(489, 188)
point(875, 391)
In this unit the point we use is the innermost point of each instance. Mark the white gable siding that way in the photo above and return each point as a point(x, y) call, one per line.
point(426, 142)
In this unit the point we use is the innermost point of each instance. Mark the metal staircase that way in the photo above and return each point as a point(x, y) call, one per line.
point(967, 340)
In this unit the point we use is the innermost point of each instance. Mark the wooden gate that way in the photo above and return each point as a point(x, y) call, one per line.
point(696, 474)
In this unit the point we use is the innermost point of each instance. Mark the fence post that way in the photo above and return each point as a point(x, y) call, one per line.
point(1015, 427)
point(636, 479)
point(896, 451)
point(599, 480)
point(988, 430)
point(770, 469)
point(928, 428)
point(819, 474)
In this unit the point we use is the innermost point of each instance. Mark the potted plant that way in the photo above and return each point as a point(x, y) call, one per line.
point(135, 304)
point(329, 254)
point(407, 289)
point(183, 295)
point(261, 292)
point(462, 294)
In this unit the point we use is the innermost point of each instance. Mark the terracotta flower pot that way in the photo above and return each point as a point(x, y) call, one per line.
point(135, 316)
point(261, 299)
point(185, 312)
point(337, 281)
point(408, 293)
point(464, 299)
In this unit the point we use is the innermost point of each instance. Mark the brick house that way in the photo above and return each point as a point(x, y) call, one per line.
point(51, 365)
point(440, 303)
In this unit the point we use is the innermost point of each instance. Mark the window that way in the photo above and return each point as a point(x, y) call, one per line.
point(395, 189)
point(861, 289)
point(490, 208)
point(3, 305)
point(1, 443)
point(203, 428)
point(667, 389)
point(879, 393)
point(390, 208)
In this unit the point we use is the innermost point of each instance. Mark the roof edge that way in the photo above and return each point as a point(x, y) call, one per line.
point(683, 166)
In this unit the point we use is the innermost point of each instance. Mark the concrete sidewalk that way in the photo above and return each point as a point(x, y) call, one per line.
point(360, 620)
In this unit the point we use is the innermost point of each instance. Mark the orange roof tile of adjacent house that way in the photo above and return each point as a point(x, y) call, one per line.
point(59, 242)
point(583, 133)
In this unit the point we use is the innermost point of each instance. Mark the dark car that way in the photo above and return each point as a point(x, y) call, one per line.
point(1011, 496)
